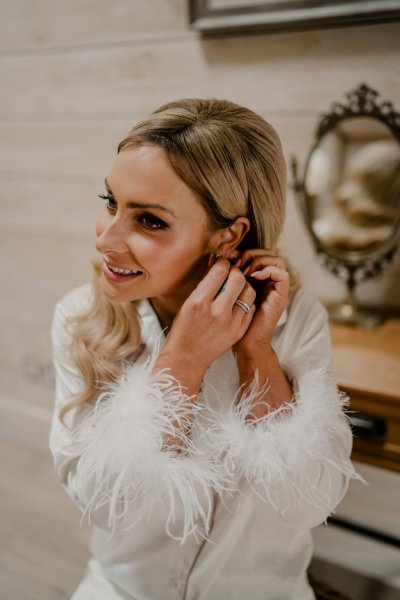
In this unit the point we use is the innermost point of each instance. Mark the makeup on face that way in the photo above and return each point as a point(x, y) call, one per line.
point(152, 231)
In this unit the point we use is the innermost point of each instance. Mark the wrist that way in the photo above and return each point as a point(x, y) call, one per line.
point(255, 354)
point(183, 368)
point(262, 359)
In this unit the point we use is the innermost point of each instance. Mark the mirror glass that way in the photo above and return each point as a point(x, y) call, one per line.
point(352, 185)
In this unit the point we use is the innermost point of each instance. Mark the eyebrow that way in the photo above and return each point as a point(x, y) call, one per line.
point(143, 204)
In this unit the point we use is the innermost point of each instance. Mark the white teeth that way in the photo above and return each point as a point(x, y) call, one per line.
point(123, 271)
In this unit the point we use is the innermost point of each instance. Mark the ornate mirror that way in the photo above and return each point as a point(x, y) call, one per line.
point(350, 194)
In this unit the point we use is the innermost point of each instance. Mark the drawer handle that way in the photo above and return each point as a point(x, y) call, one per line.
point(366, 425)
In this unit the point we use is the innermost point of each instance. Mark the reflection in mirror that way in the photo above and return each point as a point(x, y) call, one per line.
point(352, 185)
point(350, 194)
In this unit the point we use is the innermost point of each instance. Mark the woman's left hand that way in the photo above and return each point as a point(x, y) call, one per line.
point(267, 273)
point(254, 354)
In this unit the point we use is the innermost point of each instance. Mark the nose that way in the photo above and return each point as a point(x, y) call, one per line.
point(111, 235)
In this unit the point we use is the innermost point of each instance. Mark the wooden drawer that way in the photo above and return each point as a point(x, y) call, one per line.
point(367, 366)
point(376, 427)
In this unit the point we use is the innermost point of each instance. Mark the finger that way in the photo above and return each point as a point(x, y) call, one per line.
point(231, 289)
point(248, 255)
point(234, 255)
point(247, 297)
point(248, 294)
point(212, 259)
point(210, 285)
point(276, 274)
point(244, 318)
point(261, 262)
point(277, 284)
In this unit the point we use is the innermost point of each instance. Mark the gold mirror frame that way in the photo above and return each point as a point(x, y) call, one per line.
point(352, 266)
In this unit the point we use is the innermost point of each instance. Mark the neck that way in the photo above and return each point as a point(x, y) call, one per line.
point(165, 311)
point(167, 306)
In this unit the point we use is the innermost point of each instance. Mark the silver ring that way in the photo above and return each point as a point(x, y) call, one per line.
point(243, 305)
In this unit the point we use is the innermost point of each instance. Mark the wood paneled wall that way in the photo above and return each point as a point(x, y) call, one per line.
point(76, 75)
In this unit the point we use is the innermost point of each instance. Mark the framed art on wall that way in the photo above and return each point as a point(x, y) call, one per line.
point(209, 16)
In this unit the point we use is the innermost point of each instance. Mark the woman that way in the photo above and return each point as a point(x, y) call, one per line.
point(196, 421)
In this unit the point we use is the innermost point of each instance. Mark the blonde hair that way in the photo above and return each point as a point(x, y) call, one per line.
point(232, 159)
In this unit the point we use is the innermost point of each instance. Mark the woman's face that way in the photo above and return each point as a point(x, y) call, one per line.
point(152, 231)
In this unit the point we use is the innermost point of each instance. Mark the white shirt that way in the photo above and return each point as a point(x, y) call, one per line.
point(231, 517)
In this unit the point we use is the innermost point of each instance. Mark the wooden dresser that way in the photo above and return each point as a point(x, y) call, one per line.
point(367, 365)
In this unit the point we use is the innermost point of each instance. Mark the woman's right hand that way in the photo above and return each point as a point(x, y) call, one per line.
point(208, 323)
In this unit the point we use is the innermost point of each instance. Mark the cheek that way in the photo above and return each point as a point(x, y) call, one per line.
point(166, 255)
point(185, 251)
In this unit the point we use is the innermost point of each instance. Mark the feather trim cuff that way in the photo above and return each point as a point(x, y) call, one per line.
point(296, 456)
point(123, 463)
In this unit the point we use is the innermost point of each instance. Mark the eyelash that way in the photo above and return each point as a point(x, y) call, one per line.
point(146, 219)
point(111, 204)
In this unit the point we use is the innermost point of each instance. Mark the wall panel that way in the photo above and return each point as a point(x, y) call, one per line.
point(51, 258)
point(297, 72)
point(44, 23)
point(81, 151)
point(47, 208)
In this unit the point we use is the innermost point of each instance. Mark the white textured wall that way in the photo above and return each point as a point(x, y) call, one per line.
point(75, 75)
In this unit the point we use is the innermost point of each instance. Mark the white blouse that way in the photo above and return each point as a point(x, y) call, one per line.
point(228, 518)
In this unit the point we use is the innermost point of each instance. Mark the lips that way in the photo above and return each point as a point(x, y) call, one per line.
point(119, 273)
point(123, 271)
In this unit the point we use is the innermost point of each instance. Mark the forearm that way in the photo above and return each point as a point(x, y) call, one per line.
point(189, 376)
point(275, 389)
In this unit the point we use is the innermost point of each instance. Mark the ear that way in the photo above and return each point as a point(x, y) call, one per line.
point(225, 241)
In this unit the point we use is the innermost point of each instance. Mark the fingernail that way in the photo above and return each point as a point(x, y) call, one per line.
point(238, 263)
point(255, 273)
point(246, 271)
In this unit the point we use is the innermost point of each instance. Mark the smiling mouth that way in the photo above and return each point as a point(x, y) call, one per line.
point(123, 271)
point(119, 273)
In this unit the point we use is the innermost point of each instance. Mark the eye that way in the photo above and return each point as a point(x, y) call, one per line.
point(151, 222)
point(110, 202)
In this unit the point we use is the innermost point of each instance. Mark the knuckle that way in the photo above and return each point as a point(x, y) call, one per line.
point(217, 313)
point(236, 274)
point(198, 301)
point(221, 269)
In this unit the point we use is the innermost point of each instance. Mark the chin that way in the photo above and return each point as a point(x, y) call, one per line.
point(117, 295)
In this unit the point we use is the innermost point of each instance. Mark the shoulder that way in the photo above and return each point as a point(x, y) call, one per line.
point(304, 338)
point(304, 305)
point(71, 305)
point(76, 301)
point(307, 318)
point(303, 311)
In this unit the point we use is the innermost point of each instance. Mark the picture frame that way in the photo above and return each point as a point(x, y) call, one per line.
point(214, 16)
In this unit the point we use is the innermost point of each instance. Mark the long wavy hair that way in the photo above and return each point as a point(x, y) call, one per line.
point(232, 159)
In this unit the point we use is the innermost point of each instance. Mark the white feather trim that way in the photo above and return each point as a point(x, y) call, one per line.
point(123, 462)
point(290, 456)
